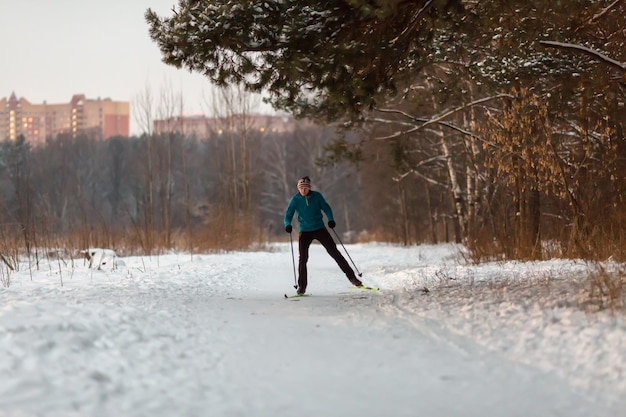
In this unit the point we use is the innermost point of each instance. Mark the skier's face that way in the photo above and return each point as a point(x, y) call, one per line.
point(303, 190)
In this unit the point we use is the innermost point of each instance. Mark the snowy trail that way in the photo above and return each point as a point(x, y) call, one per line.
point(214, 337)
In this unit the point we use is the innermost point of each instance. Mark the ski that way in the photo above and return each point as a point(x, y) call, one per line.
point(366, 287)
point(361, 287)
point(297, 295)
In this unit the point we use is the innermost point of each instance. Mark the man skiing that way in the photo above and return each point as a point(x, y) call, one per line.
point(309, 205)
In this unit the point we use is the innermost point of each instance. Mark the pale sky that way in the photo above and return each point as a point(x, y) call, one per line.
point(53, 49)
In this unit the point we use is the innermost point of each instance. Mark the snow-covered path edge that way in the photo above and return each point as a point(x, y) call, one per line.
point(531, 313)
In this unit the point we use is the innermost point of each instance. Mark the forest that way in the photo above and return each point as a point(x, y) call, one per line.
point(499, 125)
point(156, 192)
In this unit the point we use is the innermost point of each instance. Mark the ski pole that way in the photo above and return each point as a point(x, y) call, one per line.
point(344, 248)
point(293, 260)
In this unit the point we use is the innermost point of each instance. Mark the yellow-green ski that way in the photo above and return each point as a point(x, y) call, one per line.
point(297, 295)
point(366, 287)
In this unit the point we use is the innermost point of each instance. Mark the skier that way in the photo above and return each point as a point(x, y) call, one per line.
point(309, 205)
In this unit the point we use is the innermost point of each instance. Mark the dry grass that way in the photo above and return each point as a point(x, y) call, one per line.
point(607, 288)
point(224, 232)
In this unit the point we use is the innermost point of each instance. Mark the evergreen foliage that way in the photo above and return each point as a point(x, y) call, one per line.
point(315, 58)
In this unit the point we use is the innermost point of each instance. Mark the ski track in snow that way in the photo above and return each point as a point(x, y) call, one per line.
point(212, 335)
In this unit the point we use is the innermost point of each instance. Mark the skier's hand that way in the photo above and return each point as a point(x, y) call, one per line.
point(332, 224)
point(288, 228)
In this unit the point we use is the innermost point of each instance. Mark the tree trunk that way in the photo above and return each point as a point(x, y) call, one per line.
point(455, 188)
point(431, 222)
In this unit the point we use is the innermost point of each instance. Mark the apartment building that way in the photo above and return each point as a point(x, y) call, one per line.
point(204, 127)
point(100, 118)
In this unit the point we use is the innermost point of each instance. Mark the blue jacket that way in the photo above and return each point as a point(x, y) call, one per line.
point(309, 208)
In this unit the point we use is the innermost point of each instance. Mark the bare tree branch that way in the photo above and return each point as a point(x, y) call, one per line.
point(593, 53)
point(437, 119)
point(7, 263)
point(413, 22)
point(400, 177)
point(605, 10)
point(422, 120)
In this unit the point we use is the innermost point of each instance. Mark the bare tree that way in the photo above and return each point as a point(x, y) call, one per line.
point(171, 110)
point(233, 106)
point(143, 109)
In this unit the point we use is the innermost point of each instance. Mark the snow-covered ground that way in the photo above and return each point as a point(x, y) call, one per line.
point(212, 335)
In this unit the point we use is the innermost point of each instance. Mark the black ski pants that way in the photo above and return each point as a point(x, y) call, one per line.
point(322, 235)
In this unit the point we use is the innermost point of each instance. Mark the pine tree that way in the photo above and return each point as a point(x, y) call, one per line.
point(314, 57)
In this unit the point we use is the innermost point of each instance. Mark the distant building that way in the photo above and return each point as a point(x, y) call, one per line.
point(206, 127)
point(102, 118)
